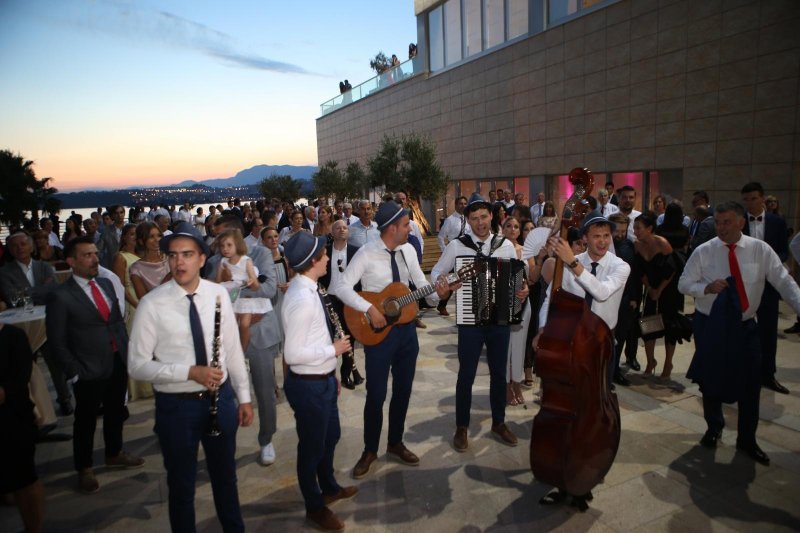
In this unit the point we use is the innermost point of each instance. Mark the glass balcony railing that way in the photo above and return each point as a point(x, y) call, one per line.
point(401, 72)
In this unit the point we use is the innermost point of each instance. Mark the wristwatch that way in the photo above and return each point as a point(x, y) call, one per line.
point(573, 264)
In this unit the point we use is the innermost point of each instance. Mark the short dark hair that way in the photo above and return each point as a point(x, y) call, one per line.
point(609, 183)
point(230, 220)
point(70, 247)
point(626, 188)
point(725, 207)
point(619, 219)
point(702, 194)
point(753, 186)
point(647, 219)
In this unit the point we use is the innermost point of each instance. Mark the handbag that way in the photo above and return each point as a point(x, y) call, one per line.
point(652, 323)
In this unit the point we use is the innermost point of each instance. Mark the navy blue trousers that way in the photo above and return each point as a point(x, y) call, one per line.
point(470, 342)
point(749, 399)
point(181, 425)
point(767, 316)
point(396, 354)
point(316, 416)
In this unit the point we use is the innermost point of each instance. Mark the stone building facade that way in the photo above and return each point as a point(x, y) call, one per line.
point(669, 96)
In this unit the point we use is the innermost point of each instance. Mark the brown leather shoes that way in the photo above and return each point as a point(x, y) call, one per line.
point(420, 324)
point(442, 310)
point(344, 493)
point(325, 519)
point(124, 460)
point(503, 434)
point(87, 482)
point(363, 465)
point(403, 454)
point(460, 440)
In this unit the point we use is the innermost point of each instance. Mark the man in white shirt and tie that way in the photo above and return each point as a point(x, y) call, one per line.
point(310, 385)
point(452, 228)
point(749, 263)
point(537, 209)
point(172, 346)
point(605, 207)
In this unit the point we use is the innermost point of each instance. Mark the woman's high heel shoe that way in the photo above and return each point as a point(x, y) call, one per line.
point(648, 371)
point(667, 372)
point(517, 388)
point(511, 399)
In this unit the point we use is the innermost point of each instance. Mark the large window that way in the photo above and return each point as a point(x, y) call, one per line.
point(517, 18)
point(436, 39)
point(452, 31)
point(472, 25)
point(494, 27)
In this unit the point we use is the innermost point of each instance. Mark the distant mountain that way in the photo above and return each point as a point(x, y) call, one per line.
point(253, 175)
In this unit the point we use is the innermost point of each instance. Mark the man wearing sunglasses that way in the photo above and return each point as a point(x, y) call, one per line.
point(340, 252)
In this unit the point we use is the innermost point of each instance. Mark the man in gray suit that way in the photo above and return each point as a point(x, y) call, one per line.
point(264, 337)
point(38, 277)
point(87, 335)
point(109, 240)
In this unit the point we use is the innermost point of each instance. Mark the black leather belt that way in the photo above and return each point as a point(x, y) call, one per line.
point(312, 377)
point(198, 395)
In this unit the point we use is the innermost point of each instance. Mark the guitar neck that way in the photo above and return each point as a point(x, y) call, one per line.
point(415, 295)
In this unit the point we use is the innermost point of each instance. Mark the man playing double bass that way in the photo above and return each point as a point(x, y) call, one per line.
point(597, 276)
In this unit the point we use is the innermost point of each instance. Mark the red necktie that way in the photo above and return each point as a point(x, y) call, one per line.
point(737, 275)
point(102, 307)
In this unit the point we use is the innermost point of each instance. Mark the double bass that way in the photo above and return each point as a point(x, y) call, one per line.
point(576, 433)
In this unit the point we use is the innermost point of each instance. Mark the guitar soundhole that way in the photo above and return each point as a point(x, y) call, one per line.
point(391, 308)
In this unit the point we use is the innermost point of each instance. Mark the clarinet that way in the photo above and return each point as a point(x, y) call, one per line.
point(334, 317)
point(213, 429)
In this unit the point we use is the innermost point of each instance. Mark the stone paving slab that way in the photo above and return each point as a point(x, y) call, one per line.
point(661, 479)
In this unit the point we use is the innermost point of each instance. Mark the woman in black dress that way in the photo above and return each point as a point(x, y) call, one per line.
point(660, 272)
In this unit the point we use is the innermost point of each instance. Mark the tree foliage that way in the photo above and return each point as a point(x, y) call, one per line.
point(332, 182)
point(282, 187)
point(21, 192)
point(380, 63)
point(356, 180)
point(408, 162)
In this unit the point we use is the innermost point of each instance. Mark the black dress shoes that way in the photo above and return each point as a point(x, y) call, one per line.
point(793, 329)
point(65, 407)
point(710, 439)
point(620, 379)
point(633, 364)
point(347, 383)
point(357, 379)
point(772, 383)
point(754, 452)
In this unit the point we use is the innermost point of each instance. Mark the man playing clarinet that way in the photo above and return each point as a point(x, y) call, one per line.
point(173, 347)
point(311, 386)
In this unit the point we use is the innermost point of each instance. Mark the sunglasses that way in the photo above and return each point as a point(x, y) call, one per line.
point(339, 264)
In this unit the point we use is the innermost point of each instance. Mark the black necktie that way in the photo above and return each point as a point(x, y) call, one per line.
point(463, 226)
point(197, 333)
point(589, 297)
point(759, 218)
point(395, 269)
point(480, 247)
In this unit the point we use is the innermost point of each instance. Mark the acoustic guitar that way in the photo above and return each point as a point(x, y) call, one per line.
point(397, 303)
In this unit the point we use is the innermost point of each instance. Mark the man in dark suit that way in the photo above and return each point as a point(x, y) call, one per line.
point(22, 272)
point(772, 230)
point(340, 253)
point(87, 335)
point(310, 219)
point(109, 240)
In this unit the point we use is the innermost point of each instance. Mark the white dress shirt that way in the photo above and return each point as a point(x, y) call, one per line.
point(161, 349)
point(338, 260)
point(251, 241)
point(361, 235)
point(28, 271)
point(307, 345)
point(608, 209)
point(83, 283)
point(53, 240)
point(416, 232)
point(453, 227)
point(794, 247)
point(757, 262)
point(606, 286)
point(456, 248)
point(631, 218)
point(756, 227)
point(185, 215)
point(536, 212)
point(311, 224)
point(372, 266)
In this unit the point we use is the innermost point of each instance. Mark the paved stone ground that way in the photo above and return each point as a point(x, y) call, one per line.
point(662, 480)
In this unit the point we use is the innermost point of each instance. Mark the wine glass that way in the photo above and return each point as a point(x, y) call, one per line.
point(15, 298)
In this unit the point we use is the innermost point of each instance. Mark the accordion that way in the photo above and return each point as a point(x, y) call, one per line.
point(490, 298)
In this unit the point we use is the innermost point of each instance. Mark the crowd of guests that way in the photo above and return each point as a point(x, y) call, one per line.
point(119, 256)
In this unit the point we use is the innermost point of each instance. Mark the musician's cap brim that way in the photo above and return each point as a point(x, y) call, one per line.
point(389, 213)
point(595, 218)
point(184, 229)
point(476, 201)
point(301, 248)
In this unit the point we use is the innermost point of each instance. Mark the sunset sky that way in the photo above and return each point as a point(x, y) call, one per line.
point(107, 94)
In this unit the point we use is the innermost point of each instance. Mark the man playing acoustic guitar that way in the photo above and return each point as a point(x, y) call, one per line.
point(376, 265)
